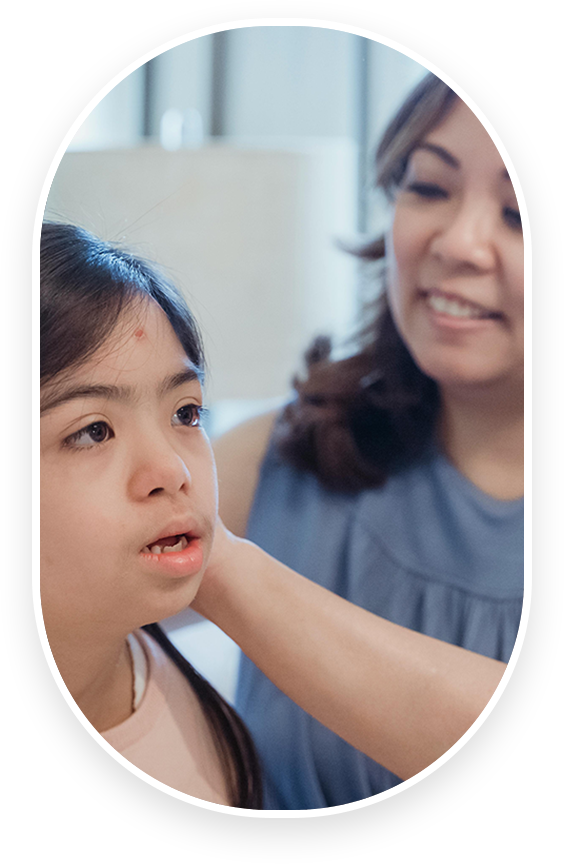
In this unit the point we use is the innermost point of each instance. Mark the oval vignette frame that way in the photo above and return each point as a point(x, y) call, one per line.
point(406, 784)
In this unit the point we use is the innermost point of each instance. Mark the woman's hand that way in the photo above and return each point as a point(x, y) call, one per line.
point(399, 696)
point(224, 561)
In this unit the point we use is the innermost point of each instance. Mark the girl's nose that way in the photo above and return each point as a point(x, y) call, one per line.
point(159, 470)
point(467, 238)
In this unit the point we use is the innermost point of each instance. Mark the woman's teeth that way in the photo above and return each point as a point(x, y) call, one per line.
point(456, 308)
point(155, 549)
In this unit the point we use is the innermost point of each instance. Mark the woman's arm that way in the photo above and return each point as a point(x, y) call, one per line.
point(238, 455)
point(400, 697)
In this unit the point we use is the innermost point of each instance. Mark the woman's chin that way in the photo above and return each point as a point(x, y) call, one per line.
point(464, 372)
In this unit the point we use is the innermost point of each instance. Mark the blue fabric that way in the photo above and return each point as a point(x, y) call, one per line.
point(429, 551)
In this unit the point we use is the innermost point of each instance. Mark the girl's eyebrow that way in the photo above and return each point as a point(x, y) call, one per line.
point(114, 393)
point(188, 374)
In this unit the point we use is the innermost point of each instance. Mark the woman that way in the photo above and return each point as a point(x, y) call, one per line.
point(395, 478)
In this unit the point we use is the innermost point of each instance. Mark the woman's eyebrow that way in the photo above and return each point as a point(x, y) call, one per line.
point(448, 157)
point(124, 393)
point(443, 154)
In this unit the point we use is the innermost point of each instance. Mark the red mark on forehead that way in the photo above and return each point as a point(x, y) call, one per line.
point(139, 333)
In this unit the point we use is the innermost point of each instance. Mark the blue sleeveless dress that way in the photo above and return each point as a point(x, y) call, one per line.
point(429, 551)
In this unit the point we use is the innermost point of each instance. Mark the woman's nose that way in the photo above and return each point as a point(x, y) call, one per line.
point(158, 470)
point(466, 239)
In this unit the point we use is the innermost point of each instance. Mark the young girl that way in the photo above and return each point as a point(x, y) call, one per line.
point(128, 511)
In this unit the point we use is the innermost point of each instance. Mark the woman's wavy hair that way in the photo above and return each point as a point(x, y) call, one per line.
point(355, 421)
point(86, 285)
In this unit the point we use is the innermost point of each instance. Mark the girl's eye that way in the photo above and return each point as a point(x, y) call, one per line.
point(90, 436)
point(189, 415)
point(512, 217)
point(428, 190)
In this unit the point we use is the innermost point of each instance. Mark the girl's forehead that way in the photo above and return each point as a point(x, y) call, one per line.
point(143, 329)
point(141, 347)
point(142, 357)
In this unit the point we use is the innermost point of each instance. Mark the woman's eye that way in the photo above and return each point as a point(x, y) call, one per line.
point(428, 190)
point(90, 436)
point(189, 415)
point(512, 217)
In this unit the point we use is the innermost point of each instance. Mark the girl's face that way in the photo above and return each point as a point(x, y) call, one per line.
point(126, 473)
point(455, 257)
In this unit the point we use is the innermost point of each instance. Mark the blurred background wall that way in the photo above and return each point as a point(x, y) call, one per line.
point(236, 161)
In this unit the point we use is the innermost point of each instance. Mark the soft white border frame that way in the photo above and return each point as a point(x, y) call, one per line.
point(35, 552)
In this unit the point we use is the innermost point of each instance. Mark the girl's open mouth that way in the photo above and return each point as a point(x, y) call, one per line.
point(177, 555)
point(164, 545)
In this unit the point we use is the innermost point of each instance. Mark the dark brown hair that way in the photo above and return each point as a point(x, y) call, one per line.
point(86, 285)
point(355, 421)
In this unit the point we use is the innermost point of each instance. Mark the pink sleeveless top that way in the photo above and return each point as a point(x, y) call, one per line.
point(167, 736)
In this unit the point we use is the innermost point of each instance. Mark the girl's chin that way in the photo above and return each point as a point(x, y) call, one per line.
point(168, 608)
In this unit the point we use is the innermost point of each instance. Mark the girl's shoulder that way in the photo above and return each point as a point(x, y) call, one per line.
point(239, 454)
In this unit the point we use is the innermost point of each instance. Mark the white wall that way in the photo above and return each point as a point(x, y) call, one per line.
point(247, 234)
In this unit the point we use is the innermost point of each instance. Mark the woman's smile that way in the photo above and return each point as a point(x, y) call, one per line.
point(450, 311)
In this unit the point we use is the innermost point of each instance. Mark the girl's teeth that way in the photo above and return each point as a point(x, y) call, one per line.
point(158, 550)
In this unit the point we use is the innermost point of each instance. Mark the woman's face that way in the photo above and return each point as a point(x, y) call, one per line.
point(128, 486)
point(455, 255)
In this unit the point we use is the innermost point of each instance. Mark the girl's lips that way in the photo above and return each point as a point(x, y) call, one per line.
point(177, 563)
